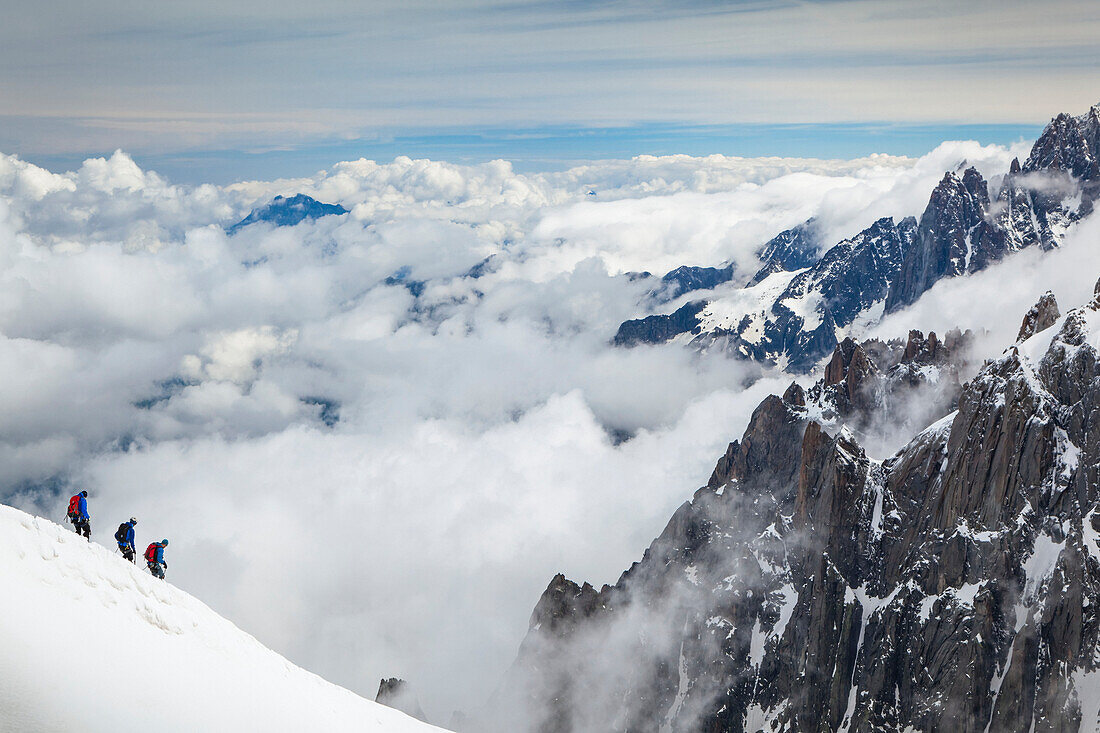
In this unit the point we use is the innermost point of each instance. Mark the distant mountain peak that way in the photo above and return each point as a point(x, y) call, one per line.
point(287, 212)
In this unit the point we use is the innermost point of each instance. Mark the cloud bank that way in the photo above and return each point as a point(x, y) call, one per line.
point(374, 438)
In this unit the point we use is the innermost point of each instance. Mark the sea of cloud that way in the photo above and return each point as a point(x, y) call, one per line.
point(364, 453)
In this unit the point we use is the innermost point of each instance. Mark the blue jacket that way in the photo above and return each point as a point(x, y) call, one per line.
point(82, 508)
point(128, 538)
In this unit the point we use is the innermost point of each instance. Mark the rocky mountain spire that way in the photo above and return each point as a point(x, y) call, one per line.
point(1068, 144)
point(795, 320)
point(809, 586)
point(944, 238)
point(1042, 316)
point(398, 694)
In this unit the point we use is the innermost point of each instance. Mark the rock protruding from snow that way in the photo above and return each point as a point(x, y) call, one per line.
point(89, 642)
point(797, 323)
point(1042, 316)
point(398, 694)
point(790, 250)
point(875, 387)
point(785, 316)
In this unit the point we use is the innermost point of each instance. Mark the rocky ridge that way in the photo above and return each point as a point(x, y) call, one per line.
point(809, 586)
point(963, 229)
point(787, 251)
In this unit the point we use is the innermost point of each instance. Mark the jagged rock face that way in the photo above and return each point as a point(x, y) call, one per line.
point(687, 279)
point(961, 232)
point(1069, 144)
point(944, 238)
point(1042, 316)
point(875, 388)
point(792, 249)
point(788, 251)
point(808, 587)
point(796, 323)
point(850, 373)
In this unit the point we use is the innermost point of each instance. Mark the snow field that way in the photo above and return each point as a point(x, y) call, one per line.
point(89, 642)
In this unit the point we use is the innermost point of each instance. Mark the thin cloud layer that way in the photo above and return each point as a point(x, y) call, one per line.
point(252, 76)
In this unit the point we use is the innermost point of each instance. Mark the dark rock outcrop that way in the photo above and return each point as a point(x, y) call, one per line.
point(962, 231)
point(809, 587)
point(944, 238)
point(661, 328)
point(398, 694)
point(1041, 317)
point(788, 251)
point(687, 279)
point(796, 323)
point(791, 249)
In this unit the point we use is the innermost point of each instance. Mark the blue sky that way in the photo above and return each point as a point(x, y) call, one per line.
point(223, 91)
point(532, 149)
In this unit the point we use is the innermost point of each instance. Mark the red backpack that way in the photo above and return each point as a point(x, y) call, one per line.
point(74, 506)
point(151, 552)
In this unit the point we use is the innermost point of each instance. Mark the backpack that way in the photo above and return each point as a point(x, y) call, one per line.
point(120, 535)
point(151, 552)
point(74, 506)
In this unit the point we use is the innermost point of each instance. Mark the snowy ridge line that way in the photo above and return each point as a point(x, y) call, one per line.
point(87, 639)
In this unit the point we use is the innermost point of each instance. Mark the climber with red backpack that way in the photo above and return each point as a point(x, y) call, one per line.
point(78, 514)
point(154, 556)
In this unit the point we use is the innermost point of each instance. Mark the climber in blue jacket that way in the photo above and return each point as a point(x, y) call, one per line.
point(78, 514)
point(124, 536)
point(154, 556)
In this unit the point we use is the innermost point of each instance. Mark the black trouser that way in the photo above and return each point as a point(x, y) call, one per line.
point(127, 552)
point(156, 569)
point(83, 527)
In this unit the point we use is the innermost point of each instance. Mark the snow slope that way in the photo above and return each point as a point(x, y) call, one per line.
point(89, 642)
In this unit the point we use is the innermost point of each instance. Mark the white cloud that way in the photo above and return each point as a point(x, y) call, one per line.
point(194, 379)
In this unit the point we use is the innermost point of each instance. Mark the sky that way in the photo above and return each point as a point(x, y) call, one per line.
point(212, 91)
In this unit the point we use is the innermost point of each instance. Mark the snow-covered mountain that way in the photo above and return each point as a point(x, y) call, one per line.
point(285, 212)
point(790, 250)
point(810, 587)
point(795, 321)
point(89, 642)
point(791, 318)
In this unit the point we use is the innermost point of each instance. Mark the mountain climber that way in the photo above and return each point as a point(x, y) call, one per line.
point(125, 538)
point(154, 556)
point(78, 514)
